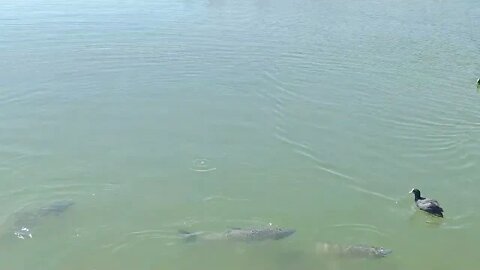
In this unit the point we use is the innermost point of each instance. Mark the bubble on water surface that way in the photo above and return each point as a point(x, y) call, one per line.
point(202, 165)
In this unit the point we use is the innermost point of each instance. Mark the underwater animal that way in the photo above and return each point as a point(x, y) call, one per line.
point(352, 251)
point(239, 234)
point(26, 221)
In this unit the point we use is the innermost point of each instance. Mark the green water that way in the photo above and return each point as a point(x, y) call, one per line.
point(155, 116)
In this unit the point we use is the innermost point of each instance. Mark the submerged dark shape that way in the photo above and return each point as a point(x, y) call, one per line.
point(25, 221)
point(56, 207)
point(428, 205)
point(239, 234)
point(352, 251)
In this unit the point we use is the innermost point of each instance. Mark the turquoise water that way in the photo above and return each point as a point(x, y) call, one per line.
point(155, 116)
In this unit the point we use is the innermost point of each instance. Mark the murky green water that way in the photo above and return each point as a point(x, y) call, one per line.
point(155, 116)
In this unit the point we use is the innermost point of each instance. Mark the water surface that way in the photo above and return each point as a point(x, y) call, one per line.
point(155, 116)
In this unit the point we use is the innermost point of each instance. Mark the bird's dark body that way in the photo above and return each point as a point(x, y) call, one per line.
point(428, 205)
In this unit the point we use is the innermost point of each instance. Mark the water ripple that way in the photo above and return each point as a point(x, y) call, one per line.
point(305, 151)
point(202, 165)
point(359, 227)
point(222, 198)
point(373, 193)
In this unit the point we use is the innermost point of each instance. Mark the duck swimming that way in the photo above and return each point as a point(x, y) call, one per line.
point(428, 205)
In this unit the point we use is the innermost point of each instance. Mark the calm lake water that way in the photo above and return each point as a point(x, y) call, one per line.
point(155, 116)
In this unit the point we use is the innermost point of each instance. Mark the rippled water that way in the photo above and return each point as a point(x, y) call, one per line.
point(155, 116)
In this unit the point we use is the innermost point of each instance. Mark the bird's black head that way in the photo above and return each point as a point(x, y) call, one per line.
point(416, 192)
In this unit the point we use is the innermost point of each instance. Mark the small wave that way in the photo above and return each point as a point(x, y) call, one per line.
point(359, 227)
point(322, 167)
point(8, 97)
point(331, 171)
point(219, 223)
point(152, 234)
point(342, 225)
point(457, 227)
point(304, 150)
point(222, 198)
point(51, 192)
point(202, 165)
point(128, 240)
point(291, 142)
point(370, 192)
